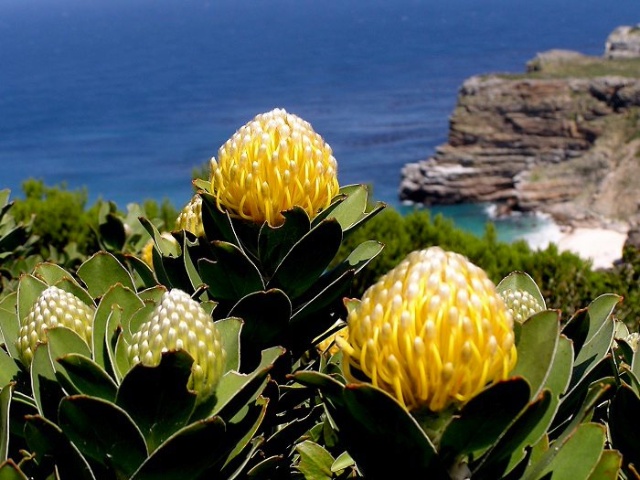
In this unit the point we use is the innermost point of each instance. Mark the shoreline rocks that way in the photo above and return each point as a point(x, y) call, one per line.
point(548, 141)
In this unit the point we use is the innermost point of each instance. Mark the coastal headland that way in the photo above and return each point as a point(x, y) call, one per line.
point(562, 138)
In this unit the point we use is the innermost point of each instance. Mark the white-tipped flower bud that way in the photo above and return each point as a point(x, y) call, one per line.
point(180, 323)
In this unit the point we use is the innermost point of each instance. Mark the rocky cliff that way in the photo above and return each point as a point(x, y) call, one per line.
point(561, 138)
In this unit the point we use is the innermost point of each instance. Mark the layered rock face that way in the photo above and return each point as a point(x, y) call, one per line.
point(532, 142)
point(623, 42)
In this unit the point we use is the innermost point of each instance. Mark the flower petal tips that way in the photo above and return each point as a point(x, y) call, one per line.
point(271, 164)
point(431, 332)
point(190, 217)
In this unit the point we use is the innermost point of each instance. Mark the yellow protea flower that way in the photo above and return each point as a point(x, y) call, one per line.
point(180, 323)
point(190, 218)
point(329, 344)
point(431, 332)
point(54, 307)
point(271, 164)
point(521, 304)
point(147, 251)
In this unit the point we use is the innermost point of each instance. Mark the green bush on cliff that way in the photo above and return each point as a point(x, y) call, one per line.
point(59, 216)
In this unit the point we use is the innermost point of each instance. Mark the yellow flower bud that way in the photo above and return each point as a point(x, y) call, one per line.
point(329, 344)
point(431, 332)
point(521, 304)
point(190, 218)
point(271, 164)
point(180, 323)
point(147, 251)
point(54, 307)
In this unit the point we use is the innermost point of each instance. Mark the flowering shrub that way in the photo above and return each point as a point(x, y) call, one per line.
point(228, 347)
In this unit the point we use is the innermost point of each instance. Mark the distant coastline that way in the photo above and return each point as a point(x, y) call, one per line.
point(562, 138)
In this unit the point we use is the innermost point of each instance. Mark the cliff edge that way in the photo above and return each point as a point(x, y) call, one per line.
point(563, 138)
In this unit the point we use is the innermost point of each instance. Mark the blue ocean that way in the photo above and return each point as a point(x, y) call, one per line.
point(127, 97)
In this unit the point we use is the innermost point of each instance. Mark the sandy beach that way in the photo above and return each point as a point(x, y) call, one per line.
point(603, 246)
point(600, 245)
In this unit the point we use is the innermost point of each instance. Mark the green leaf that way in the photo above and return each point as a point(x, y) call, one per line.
point(275, 242)
point(487, 415)
point(557, 380)
point(203, 443)
point(29, 289)
point(291, 432)
point(103, 432)
point(10, 471)
point(9, 369)
point(510, 449)
point(266, 318)
point(327, 385)
point(521, 281)
point(9, 323)
point(328, 290)
point(144, 271)
point(624, 424)
point(157, 398)
point(315, 461)
point(61, 341)
point(118, 297)
point(141, 316)
point(47, 392)
point(588, 322)
point(229, 329)
point(536, 347)
point(232, 276)
point(189, 266)
point(112, 232)
point(594, 396)
point(71, 286)
point(352, 208)
point(51, 273)
point(5, 415)
point(46, 439)
point(576, 457)
point(244, 426)
point(88, 377)
point(370, 418)
point(217, 225)
point(608, 467)
point(308, 259)
point(354, 213)
point(361, 255)
point(165, 246)
point(535, 421)
point(236, 390)
point(120, 358)
point(599, 338)
point(100, 272)
point(343, 461)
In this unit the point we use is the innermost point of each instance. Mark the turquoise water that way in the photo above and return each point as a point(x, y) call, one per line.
point(127, 97)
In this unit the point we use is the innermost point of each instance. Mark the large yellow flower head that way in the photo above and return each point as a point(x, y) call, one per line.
point(271, 164)
point(431, 332)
